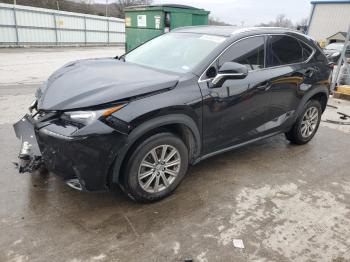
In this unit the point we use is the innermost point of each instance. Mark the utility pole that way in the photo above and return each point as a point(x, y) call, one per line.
point(106, 8)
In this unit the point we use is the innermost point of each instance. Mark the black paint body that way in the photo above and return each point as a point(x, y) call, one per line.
point(210, 119)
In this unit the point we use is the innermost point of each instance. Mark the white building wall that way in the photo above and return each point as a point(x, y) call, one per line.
point(328, 19)
point(23, 25)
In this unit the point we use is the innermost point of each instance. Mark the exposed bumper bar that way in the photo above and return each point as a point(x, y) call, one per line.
point(30, 155)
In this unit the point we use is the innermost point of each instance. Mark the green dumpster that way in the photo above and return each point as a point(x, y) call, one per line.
point(143, 23)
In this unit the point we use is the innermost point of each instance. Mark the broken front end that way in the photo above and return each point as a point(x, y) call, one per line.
point(79, 150)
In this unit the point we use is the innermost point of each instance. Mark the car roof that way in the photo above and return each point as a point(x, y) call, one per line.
point(231, 30)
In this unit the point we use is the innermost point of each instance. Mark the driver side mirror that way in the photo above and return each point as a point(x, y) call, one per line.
point(229, 70)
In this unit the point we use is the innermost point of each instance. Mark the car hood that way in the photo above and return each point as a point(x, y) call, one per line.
point(92, 82)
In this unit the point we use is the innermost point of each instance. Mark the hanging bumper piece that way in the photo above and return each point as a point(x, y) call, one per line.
point(29, 156)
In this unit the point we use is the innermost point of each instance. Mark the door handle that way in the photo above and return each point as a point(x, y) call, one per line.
point(264, 86)
point(310, 72)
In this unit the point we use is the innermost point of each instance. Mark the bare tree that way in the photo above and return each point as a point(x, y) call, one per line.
point(121, 4)
point(216, 21)
point(79, 6)
point(302, 22)
point(281, 21)
point(302, 25)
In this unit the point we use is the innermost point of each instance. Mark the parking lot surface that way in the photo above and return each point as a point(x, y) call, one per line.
point(32, 66)
point(285, 202)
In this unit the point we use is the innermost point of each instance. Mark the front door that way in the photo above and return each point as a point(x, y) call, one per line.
point(236, 111)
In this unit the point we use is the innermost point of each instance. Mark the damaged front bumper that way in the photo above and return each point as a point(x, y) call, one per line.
point(30, 156)
point(82, 156)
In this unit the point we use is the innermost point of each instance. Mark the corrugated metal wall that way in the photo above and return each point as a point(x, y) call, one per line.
point(23, 25)
point(329, 19)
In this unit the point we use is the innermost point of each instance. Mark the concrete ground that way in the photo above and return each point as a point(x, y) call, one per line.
point(32, 66)
point(286, 202)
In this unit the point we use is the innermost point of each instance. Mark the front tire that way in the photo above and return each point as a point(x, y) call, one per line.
point(155, 168)
point(307, 124)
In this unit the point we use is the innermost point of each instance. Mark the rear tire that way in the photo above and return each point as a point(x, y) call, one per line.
point(155, 168)
point(306, 124)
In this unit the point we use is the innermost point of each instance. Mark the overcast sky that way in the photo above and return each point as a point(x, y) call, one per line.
point(251, 12)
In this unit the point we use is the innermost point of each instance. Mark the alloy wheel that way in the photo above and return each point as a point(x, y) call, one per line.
point(159, 168)
point(309, 122)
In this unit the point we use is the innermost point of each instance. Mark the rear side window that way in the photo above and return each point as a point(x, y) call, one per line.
point(307, 51)
point(284, 50)
point(249, 52)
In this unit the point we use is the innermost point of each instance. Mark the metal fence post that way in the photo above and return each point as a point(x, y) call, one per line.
point(108, 31)
point(16, 25)
point(55, 23)
point(85, 38)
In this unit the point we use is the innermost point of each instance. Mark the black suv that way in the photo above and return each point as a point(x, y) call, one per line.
point(139, 120)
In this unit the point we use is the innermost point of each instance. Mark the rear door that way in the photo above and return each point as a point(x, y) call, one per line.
point(291, 76)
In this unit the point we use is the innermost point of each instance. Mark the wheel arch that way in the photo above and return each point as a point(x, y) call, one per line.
point(320, 94)
point(179, 124)
point(322, 97)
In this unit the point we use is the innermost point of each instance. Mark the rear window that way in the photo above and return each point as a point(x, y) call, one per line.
point(307, 51)
point(284, 50)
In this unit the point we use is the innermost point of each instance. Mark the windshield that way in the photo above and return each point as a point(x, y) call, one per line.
point(335, 46)
point(177, 52)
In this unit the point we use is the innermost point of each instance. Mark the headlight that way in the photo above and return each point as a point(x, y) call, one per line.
point(84, 117)
point(335, 54)
point(87, 117)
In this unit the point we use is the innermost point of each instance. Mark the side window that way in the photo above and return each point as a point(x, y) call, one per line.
point(249, 52)
point(307, 51)
point(284, 50)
